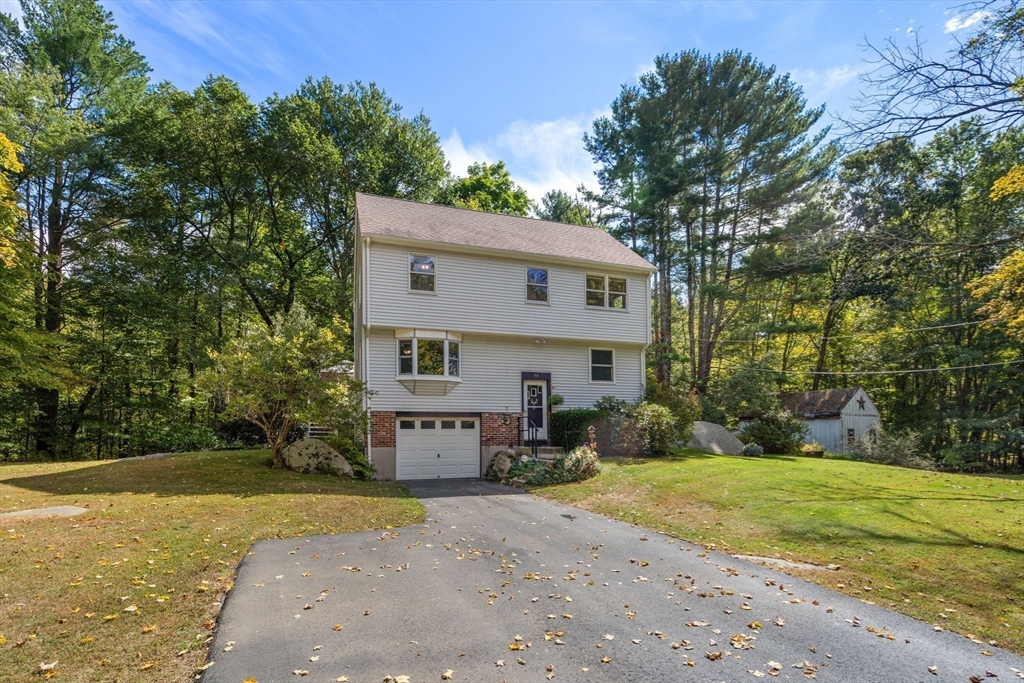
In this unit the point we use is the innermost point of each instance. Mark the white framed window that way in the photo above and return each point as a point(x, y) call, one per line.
point(422, 273)
point(606, 291)
point(602, 365)
point(536, 285)
point(429, 354)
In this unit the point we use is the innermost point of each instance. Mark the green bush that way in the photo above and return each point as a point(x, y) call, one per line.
point(902, 450)
point(568, 428)
point(812, 450)
point(656, 426)
point(361, 467)
point(580, 464)
point(684, 406)
point(611, 405)
point(777, 431)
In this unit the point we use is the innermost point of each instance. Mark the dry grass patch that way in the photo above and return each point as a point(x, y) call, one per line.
point(945, 548)
point(131, 590)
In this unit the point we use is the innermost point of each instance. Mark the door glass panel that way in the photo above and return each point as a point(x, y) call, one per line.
point(407, 424)
point(447, 424)
point(469, 424)
point(427, 424)
point(429, 357)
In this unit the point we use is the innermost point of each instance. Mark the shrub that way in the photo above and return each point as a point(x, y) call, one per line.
point(812, 450)
point(749, 392)
point(580, 464)
point(611, 405)
point(753, 450)
point(656, 426)
point(684, 406)
point(568, 428)
point(362, 468)
point(902, 450)
point(556, 400)
point(777, 431)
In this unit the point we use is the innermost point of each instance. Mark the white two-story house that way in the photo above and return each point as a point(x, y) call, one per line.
point(467, 322)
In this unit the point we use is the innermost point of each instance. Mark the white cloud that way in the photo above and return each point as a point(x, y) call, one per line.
point(959, 22)
point(643, 69)
point(540, 155)
point(818, 84)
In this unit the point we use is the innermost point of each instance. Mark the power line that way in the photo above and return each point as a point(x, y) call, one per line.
point(884, 372)
point(859, 334)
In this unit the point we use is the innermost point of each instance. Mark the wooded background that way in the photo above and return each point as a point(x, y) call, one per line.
point(143, 226)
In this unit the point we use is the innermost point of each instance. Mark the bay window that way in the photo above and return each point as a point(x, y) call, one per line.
point(428, 354)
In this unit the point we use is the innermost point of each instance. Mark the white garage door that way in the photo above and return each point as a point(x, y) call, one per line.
point(438, 448)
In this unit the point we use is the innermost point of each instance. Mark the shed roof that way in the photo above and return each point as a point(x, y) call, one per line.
point(815, 404)
point(402, 219)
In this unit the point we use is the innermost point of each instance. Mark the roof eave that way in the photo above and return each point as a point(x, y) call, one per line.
point(524, 255)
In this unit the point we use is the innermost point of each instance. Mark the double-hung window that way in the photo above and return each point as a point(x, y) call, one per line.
point(602, 365)
point(421, 273)
point(424, 353)
point(605, 291)
point(537, 284)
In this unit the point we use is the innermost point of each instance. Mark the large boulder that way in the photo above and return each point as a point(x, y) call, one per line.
point(714, 438)
point(313, 455)
point(500, 464)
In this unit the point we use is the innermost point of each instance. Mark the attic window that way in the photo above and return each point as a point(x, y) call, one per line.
point(421, 273)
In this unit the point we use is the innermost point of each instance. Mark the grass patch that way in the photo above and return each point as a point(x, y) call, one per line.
point(945, 548)
point(163, 536)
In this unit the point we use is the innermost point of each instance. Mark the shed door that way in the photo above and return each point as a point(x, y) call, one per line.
point(437, 447)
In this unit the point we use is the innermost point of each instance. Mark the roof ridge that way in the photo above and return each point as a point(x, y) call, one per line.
point(489, 213)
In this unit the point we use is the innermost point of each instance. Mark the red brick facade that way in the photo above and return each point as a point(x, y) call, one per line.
point(382, 429)
point(494, 431)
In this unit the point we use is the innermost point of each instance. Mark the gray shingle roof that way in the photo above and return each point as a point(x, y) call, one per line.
point(814, 404)
point(402, 219)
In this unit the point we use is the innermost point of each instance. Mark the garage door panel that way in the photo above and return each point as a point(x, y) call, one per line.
point(432, 448)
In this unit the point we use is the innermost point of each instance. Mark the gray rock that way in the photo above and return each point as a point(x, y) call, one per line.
point(57, 511)
point(313, 455)
point(714, 438)
point(501, 464)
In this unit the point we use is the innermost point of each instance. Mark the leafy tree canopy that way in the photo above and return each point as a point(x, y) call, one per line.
point(487, 187)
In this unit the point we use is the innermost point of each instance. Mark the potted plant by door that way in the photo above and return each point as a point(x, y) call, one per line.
point(555, 400)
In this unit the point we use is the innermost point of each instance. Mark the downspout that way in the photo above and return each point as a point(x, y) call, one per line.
point(364, 278)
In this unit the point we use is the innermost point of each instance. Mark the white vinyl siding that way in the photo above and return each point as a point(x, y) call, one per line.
point(491, 374)
point(485, 294)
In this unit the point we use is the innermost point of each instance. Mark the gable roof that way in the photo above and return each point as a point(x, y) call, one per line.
point(401, 219)
point(815, 404)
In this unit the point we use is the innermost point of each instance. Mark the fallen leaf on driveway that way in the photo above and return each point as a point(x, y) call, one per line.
point(605, 659)
point(447, 675)
point(933, 670)
point(300, 672)
point(337, 627)
point(713, 656)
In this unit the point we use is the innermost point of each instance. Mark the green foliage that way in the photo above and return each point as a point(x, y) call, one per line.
point(611, 405)
point(685, 407)
point(487, 187)
point(887, 448)
point(776, 431)
point(579, 464)
point(812, 450)
point(656, 427)
point(277, 379)
point(556, 400)
point(559, 206)
point(748, 393)
point(568, 428)
point(362, 468)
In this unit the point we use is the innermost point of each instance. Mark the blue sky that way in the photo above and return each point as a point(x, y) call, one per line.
point(517, 81)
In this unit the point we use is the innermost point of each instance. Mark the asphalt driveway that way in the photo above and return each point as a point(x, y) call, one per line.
point(499, 585)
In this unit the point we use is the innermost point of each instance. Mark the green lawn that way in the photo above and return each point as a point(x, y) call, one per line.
point(944, 548)
point(128, 591)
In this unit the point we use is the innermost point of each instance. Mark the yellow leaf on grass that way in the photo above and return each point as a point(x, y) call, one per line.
point(149, 629)
point(147, 665)
point(110, 617)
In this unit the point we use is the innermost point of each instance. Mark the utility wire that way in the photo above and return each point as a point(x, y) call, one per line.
point(884, 372)
point(854, 336)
